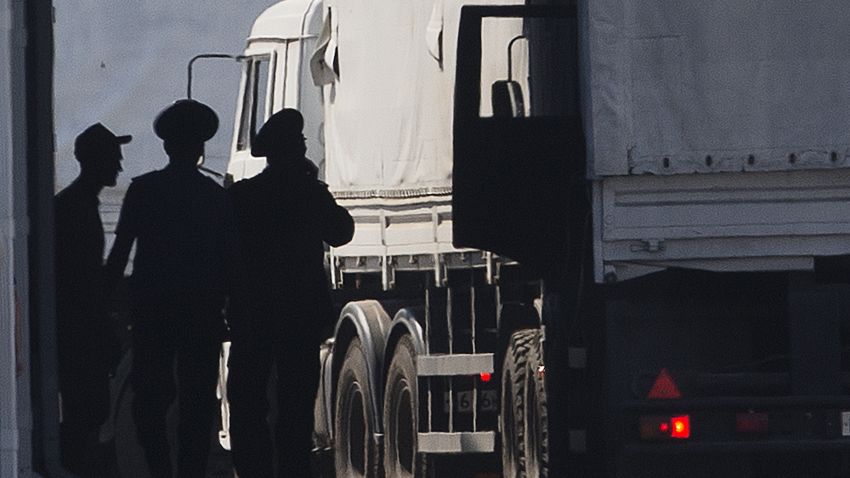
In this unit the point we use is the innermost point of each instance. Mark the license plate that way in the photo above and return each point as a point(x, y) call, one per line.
point(487, 401)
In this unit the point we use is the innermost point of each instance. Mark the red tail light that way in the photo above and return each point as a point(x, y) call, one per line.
point(665, 427)
point(485, 377)
point(680, 427)
point(664, 387)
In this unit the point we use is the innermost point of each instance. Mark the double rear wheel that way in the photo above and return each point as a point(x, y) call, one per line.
point(525, 442)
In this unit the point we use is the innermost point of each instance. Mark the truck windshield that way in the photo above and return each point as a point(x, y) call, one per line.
point(255, 100)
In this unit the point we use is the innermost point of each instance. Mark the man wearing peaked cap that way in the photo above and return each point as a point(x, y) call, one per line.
point(281, 133)
point(184, 268)
point(88, 346)
point(284, 215)
point(186, 122)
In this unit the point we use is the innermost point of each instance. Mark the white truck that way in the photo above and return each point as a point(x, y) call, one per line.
point(593, 238)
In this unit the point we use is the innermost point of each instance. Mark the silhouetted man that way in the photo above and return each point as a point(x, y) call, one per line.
point(284, 215)
point(87, 343)
point(183, 227)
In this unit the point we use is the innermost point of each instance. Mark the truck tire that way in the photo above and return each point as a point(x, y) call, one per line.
point(524, 419)
point(514, 382)
point(401, 415)
point(535, 446)
point(354, 448)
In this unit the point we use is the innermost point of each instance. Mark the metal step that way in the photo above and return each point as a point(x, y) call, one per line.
point(453, 365)
point(459, 442)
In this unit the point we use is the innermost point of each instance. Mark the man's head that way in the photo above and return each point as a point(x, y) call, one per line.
point(281, 138)
point(99, 152)
point(184, 127)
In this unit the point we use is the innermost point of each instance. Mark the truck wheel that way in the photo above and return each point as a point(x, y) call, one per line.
point(536, 443)
point(514, 382)
point(401, 415)
point(354, 450)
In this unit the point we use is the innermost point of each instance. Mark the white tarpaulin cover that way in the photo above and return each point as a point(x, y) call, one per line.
point(682, 86)
point(389, 76)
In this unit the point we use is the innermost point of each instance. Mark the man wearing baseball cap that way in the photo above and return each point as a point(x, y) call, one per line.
point(182, 224)
point(88, 347)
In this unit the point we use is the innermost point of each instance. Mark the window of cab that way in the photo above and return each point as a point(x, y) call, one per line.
point(256, 99)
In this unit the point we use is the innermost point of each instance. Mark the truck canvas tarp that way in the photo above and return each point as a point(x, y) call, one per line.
point(717, 133)
point(388, 107)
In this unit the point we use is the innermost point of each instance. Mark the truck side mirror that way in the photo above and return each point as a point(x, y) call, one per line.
point(198, 57)
point(507, 99)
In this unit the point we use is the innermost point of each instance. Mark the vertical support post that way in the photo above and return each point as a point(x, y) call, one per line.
point(492, 268)
point(472, 307)
point(11, 50)
point(39, 172)
point(440, 279)
point(428, 350)
point(336, 273)
point(451, 350)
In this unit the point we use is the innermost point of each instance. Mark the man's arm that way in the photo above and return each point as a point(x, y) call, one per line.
point(125, 234)
point(118, 258)
point(336, 223)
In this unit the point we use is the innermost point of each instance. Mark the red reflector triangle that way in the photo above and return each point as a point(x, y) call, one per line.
point(664, 387)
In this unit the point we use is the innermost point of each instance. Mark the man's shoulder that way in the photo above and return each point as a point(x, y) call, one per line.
point(250, 185)
point(211, 189)
point(211, 183)
point(63, 202)
point(149, 178)
point(63, 196)
point(71, 197)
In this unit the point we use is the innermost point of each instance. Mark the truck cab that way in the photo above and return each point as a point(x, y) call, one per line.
point(276, 75)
